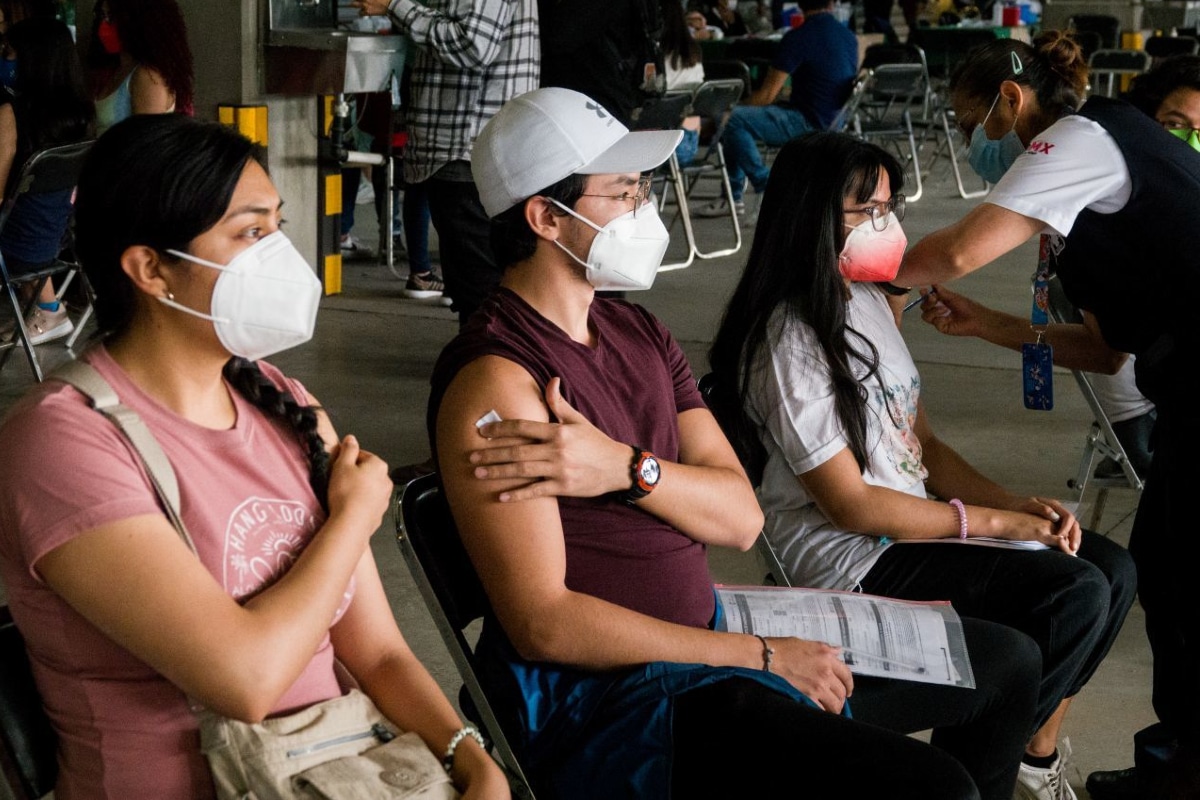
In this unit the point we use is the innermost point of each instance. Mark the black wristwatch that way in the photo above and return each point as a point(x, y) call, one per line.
point(893, 289)
point(645, 471)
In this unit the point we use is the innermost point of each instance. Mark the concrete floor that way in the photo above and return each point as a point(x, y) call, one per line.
point(373, 351)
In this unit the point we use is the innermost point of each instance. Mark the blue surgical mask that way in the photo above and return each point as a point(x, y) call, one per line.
point(8, 73)
point(991, 158)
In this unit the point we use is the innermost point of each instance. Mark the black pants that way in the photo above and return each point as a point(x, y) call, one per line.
point(1166, 547)
point(739, 739)
point(464, 240)
point(1072, 607)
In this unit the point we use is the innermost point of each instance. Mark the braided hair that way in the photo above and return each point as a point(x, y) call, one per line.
point(161, 180)
point(281, 405)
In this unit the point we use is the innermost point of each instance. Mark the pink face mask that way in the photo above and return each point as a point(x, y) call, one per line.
point(870, 255)
point(110, 39)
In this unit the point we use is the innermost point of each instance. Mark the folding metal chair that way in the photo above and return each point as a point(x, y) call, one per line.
point(856, 97)
point(1101, 441)
point(884, 113)
point(713, 100)
point(1160, 47)
point(1088, 41)
point(1107, 30)
point(28, 744)
point(948, 143)
point(725, 68)
point(1109, 64)
point(879, 54)
point(451, 589)
point(667, 113)
point(47, 172)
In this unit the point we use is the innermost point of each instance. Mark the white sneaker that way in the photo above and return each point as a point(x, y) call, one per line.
point(366, 193)
point(719, 208)
point(43, 326)
point(352, 249)
point(1049, 783)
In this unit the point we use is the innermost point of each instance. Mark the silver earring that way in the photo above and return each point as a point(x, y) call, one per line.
point(170, 295)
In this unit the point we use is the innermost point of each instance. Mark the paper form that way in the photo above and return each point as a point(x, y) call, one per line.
point(881, 636)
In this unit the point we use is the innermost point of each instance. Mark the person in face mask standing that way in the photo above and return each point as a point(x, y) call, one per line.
point(818, 382)
point(1116, 196)
point(127, 629)
point(587, 477)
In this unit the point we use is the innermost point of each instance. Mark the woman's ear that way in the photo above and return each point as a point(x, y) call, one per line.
point(1013, 95)
point(144, 266)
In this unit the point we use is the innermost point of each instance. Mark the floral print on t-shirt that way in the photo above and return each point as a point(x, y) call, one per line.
point(896, 403)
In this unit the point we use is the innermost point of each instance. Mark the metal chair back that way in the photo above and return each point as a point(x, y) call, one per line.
point(1109, 64)
point(713, 100)
point(1102, 440)
point(450, 587)
point(47, 172)
point(28, 743)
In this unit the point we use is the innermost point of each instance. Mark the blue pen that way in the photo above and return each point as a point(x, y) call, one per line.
point(914, 303)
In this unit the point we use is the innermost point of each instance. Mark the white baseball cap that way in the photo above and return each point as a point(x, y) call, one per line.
point(538, 138)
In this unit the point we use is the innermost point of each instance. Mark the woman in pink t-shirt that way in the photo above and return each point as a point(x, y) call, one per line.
point(178, 231)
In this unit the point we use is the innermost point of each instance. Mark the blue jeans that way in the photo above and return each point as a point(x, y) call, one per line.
point(748, 125)
point(689, 145)
point(416, 228)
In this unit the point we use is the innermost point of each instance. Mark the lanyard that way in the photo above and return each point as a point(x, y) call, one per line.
point(1037, 358)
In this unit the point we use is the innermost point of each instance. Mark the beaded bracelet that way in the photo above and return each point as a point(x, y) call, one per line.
point(456, 740)
point(961, 510)
point(768, 653)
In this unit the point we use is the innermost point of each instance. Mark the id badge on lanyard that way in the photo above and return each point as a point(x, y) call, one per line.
point(1037, 359)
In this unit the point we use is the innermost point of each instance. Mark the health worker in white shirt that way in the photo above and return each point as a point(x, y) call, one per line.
point(1119, 195)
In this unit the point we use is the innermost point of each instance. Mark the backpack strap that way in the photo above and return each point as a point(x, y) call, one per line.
point(103, 398)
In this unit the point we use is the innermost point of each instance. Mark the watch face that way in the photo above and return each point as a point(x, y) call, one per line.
point(649, 471)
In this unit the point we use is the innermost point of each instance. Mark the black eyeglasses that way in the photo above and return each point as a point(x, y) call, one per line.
point(638, 197)
point(879, 212)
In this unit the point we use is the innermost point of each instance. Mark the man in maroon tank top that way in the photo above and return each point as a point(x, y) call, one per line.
point(587, 477)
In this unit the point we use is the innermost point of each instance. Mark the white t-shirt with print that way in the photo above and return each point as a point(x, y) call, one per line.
point(1072, 165)
point(792, 402)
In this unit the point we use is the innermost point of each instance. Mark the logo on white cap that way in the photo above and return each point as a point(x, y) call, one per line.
point(538, 138)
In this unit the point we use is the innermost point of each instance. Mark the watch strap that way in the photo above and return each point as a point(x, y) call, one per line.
point(640, 488)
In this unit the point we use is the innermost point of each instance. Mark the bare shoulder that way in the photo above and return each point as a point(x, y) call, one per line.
point(493, 383)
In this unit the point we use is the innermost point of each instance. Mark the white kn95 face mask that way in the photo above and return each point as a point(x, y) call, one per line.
point(626, 252)
point(265, 300)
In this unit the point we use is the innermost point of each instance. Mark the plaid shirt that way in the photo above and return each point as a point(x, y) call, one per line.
point(474, 55)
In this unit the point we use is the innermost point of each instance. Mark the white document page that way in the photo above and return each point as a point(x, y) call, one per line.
point(878, 635)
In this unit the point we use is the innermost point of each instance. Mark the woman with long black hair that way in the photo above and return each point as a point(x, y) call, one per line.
point(818, 385)
point(281, 605)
